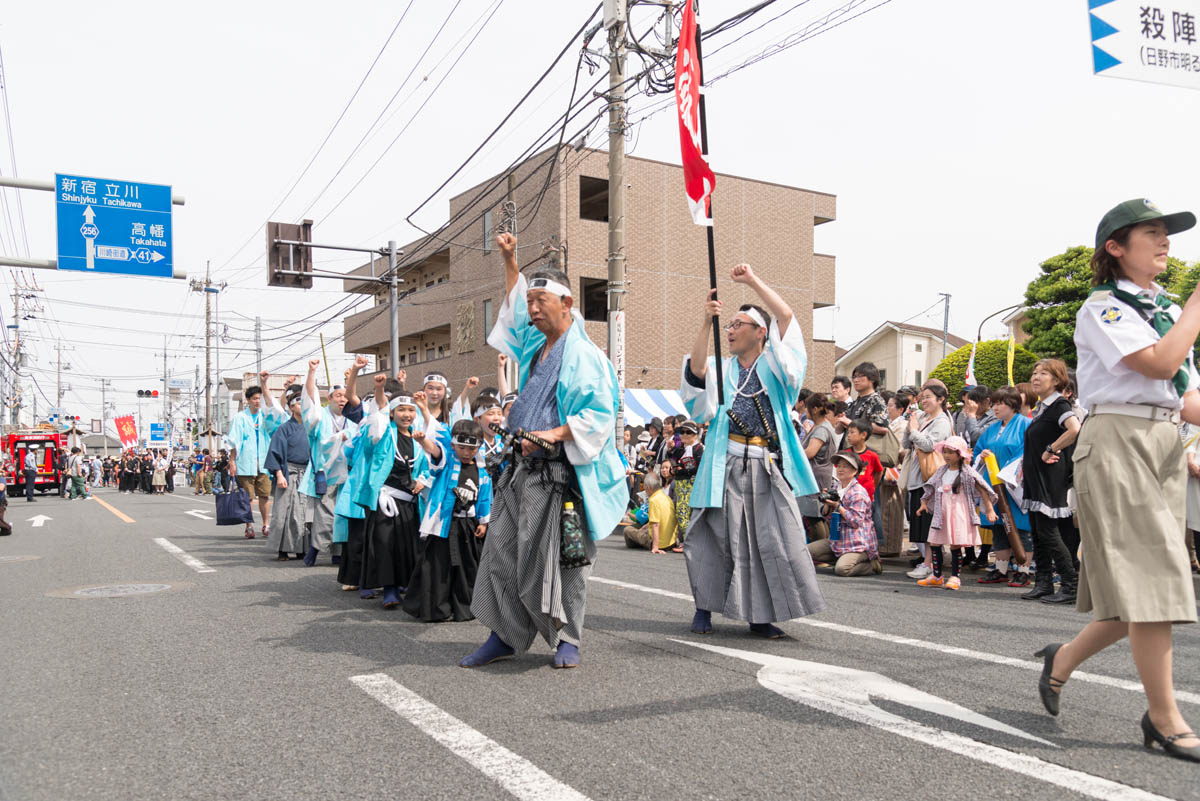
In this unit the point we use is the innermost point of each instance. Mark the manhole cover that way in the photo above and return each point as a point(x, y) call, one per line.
point(4, 560)
point(117, 590)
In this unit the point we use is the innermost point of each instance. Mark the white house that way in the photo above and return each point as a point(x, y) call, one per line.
point(904, 353)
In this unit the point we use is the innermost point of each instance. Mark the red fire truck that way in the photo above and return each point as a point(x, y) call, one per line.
point(47, 445)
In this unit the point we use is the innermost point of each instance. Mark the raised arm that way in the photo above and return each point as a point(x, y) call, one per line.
point(501, 375)
point(699, 355)
point(508, 248)
point(310, 381)
point(352, 399)
point(268, 402)
point(742, 274)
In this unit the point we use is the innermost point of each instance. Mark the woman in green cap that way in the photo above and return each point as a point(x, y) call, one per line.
point(1136, 377)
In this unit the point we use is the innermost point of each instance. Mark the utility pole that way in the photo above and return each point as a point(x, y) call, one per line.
point(16, 362)
point(945, 321)
point(104, 382)
point(616, 14)
point(58, 347)
point(393, 310)
point(257, 344)
point(166, 388)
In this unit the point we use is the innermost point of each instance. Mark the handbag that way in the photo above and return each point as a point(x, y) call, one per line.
point(233, 508)
point(929, 463)
point(886, 447)
point(320, 483)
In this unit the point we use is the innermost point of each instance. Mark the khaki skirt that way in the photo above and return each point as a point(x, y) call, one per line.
point(1130, 482)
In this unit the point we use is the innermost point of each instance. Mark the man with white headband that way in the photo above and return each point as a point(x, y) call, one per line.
point(752, 470)
point(328, 433)
point(568, 396)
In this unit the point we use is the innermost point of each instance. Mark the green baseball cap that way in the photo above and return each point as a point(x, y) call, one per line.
point(1140, 210)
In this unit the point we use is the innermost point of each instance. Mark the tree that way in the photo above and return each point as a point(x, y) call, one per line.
point(1053, 299)
point(991, 366)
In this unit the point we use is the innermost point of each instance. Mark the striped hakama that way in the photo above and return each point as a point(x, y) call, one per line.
point(288, 532)
point(749, 560)
point(521, 591)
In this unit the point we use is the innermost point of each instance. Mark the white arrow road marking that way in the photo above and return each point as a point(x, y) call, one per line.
point(198, 513)
point(520, 777)
point(847, 693)
point(982, 656)
point(38, 520)
point(183, 556)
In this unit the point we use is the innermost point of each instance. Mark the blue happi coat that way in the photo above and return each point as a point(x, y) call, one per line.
point(379, 452)
point(250, 435)
point(326, 446)
point(436, 516)
point(781, 370)
point(586, 396)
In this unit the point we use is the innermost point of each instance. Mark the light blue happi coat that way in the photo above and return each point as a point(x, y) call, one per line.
point(325, 445)
point(250, 435)
point(379, 452)
point(781, 370)
point(344, 508)
point(586, 395)
point(437, 513)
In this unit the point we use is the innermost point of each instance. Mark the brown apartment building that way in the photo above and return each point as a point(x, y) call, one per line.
point(453, 289)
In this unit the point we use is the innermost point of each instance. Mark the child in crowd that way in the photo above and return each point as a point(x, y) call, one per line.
point(453, 523)
point(857, 435)
point(951, 495)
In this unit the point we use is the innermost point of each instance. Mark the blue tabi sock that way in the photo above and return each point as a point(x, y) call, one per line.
point(492, 650)
point(567, 655)
point(702, 622)
point(767, 631)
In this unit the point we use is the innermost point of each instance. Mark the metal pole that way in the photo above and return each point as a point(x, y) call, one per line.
point(207, 349)
point(616, 212)
point(16, 410)
point(48, 186)
point(104, 382)
point(58, 375)
point(945, 322)
point(166, 384)
point(393, 310)
point(258, 344)
point(217, 346)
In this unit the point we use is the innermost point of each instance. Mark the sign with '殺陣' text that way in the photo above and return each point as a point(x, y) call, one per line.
point(1146, 40)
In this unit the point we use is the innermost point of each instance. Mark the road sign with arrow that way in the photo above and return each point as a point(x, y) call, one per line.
point(111, 226)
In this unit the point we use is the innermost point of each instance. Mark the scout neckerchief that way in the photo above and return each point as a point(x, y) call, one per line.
point(1155, 313)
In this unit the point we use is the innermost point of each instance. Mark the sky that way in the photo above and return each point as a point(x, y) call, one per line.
point(966, 143)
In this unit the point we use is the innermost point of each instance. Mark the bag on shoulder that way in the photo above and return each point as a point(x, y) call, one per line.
point(886, 447)
point(929, 463)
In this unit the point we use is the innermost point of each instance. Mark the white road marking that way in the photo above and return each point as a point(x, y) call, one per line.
point(1182, 696)
point(38, 520)
point(520, 777)
point(847, 693)
point(198, 513)
point(183, 556)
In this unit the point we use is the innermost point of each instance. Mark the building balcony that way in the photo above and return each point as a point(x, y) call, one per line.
point(824, 208)
point(824, 282)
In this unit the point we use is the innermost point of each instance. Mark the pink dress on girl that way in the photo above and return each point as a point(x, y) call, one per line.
point(958, 514)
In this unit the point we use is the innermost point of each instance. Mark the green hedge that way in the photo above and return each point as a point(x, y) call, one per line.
point(991, 366)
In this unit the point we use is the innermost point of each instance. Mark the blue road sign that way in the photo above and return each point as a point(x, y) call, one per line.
point(158, 433)
point(108, 226)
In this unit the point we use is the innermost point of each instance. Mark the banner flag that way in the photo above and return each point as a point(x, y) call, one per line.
point(1012, 353)
point(970, 381)
point(126, 431)
point(698, 177)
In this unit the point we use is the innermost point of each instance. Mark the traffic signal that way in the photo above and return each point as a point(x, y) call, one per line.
point(147, 393)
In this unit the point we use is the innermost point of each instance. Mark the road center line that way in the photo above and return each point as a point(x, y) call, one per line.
point(514, 773)
point(183, 556)
point(982, 656)
point(121, 515)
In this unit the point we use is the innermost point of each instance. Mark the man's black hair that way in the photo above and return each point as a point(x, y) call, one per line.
point(868, 371)
point(766, 315)
point(392, 388)
point(251, 391)
point(980, 393)
point(841, 379)
point(484, 402)
point(552, 274)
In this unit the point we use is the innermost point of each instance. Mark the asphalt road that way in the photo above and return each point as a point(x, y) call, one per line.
point(237, 683)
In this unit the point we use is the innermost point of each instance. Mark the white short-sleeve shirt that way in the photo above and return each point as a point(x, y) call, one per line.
point(1106, 331)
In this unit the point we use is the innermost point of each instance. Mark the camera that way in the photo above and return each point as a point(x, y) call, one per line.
point(830, 495)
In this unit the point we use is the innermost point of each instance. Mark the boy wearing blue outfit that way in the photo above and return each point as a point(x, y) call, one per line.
point(453, 523)
point(397, 479)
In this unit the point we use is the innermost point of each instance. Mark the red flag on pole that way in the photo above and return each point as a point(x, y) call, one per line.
point(126, 430)
point(698, 178)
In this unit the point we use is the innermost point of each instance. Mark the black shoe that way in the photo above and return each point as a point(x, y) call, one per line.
point(1048, 686)
point(994, 577)
point(1043, 585)
point(1152, 735)
point(1019, 580)
point(1065, 595)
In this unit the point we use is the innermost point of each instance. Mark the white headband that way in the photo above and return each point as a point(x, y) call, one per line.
point(401, 400)
point(437, 378)
point(755, 316)
point(550, 285)
point(485, 409)
point(465, 441)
